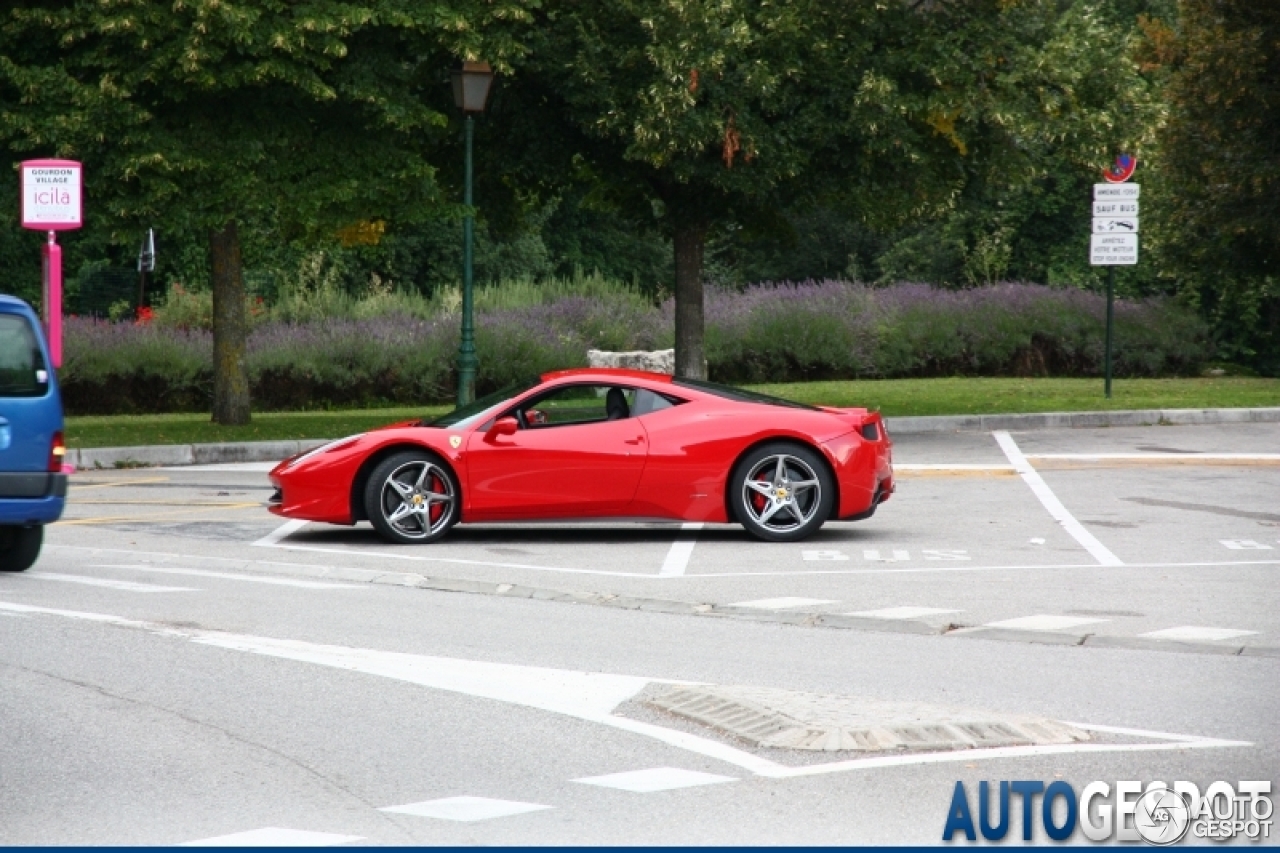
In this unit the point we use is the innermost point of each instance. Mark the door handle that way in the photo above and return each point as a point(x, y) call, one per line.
point(639, 439)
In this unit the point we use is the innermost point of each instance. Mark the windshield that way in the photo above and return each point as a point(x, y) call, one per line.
point(22, 369)
point(740, 395)
point(464, 416)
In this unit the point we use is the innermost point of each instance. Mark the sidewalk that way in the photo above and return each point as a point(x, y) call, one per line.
point(272, 451)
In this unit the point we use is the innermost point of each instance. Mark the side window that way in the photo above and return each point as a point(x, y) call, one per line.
point(22, 368)
point(648, 401)
point(577, 404)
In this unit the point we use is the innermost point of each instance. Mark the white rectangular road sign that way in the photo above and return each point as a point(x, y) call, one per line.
point(1113, 250)
point(1115, 209)
point(1115, 225)
point(1115, 192)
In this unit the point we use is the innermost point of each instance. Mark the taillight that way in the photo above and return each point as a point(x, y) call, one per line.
point(57, 450)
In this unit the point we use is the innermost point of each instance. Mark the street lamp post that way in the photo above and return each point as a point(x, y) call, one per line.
point(471, 85)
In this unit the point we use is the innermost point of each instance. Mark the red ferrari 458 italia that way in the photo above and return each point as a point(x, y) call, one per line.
point(600, 444)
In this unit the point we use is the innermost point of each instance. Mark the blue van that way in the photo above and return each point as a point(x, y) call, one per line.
point(33, 487)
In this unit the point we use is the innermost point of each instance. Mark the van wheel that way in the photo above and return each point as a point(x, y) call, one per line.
point(19, 547)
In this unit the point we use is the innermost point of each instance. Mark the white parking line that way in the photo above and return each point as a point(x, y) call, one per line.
point(1050, 501)
point(782, 603)
point(589, 696)
point(388, 555)
point(1246, 457)
point(274, 836)
point(902, 612)
point(283, 531)
point(698, 576)
point(104, 582)
point(655, 779)
point(681, 550)
point(1193, 633)
point(1010, 568)
point(233, 577)
point(466, 809)
point(1043, 622)
point(950, 466)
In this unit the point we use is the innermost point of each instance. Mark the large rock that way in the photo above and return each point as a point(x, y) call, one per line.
point(656, 361)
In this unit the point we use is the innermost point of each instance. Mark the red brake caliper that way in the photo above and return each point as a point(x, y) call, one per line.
point(758, 501)
point(436, 510)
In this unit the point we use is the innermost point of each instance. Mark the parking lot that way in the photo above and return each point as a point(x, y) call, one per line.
point(207, 673)
point(1170, 534)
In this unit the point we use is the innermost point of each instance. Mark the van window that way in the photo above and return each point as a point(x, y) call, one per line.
point(22, 368)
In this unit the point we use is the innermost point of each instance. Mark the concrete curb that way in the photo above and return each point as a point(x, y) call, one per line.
point(1074, 420)
point(274, 451)
point(828, 621)
point(187, 454)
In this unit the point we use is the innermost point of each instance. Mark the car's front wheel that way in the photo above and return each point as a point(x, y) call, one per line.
point(412, 497)
point(782, 492)
point(19, 547)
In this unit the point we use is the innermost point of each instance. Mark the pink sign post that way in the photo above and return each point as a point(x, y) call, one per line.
point(51, 196)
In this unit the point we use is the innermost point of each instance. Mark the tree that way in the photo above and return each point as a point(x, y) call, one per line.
point(206, 116)
point(717, 114)
point(699, 111)
point(1217, 200)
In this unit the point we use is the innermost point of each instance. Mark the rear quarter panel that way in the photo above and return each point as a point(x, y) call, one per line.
point(693, 447)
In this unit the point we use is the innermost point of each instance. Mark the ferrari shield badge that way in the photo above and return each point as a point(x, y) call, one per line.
point(454, 441)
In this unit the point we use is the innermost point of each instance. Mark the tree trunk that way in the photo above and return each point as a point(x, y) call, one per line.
point(230, 328)
point(691, 360)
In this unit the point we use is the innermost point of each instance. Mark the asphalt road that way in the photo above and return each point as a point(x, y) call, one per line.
point(180, 667)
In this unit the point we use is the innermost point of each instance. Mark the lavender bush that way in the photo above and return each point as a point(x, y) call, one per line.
point(792, 332)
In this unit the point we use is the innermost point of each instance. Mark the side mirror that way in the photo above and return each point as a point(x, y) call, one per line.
point(501, 427)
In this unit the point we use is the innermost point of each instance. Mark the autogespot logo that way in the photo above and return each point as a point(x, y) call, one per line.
point(1157, 813)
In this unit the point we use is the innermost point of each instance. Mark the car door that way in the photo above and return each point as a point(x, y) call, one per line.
point(567, 459)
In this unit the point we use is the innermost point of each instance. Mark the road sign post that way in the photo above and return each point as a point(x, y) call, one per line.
point(1114, 241)
point(51, 202)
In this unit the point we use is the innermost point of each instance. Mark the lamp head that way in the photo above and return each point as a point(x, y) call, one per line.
point(471, 85)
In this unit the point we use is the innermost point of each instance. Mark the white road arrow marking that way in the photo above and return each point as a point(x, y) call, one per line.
point(589, 696)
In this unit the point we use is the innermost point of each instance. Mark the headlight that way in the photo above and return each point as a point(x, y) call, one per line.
point(325, 448)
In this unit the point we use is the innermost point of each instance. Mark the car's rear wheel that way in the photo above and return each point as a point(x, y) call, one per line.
point(412, 497)
point(782, 492)
point(19, 547)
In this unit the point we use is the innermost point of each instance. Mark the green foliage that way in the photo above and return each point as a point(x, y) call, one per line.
point(1216, 200)
point(949, 142)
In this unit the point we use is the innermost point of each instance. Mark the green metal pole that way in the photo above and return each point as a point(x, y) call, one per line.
point(1111, 295)
point(467, 361)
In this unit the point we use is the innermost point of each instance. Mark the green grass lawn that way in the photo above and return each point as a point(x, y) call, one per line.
point(892, 396)
point(960, 396)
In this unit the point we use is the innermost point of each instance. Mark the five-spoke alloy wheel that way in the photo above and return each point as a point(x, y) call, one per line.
point(781, 492)
point(411, 497)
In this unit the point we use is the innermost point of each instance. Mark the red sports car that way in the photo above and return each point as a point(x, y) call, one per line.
point(600, 443)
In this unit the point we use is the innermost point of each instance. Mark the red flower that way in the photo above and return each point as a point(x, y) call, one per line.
point(145, 316)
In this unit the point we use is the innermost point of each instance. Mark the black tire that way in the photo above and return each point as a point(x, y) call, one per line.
point(781, 492)
point(19, 547)
point(412, 498)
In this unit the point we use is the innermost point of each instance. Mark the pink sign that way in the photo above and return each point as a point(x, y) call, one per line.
point(51, 195)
